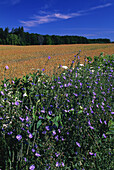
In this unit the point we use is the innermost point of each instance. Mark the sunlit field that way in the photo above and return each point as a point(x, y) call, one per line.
point(23, 60)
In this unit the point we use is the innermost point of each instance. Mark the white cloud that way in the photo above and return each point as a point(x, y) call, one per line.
point(100, 6)
point(38, 19)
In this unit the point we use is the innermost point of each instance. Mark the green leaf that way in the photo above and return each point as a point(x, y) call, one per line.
point(39, 123)
point(48, 117)
point(56, 123)
point(80, 111)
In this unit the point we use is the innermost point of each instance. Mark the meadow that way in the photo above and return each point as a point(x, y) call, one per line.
point(62, 119)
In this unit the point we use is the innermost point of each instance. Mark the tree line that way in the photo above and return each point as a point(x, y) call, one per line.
point(17, 36)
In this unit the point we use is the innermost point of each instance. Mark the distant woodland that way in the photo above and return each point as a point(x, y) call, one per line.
point(17, 36)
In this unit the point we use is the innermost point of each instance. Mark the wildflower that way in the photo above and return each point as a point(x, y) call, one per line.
point(49, 57)
point(58, 164)
point(47, 127)
point(30, 136)
point(33, 150)
point(80, 84)
point(104, 135)
point(100, 121)
point(2, 93)
point(13, 82)
point(37, 154)
point(54, 133)
point(43, 111)
point(6, 67)
point(25, 159)
point(43, 69)
point(90, 153)
point(62, 164)
point(32, 167)
point(91, 127)
point(89, 122)
point(57, 154)
point(19, 137)
point(94, 93)
point(9, 133)
point(41, 117)
point(78, 144)
point(16, 103)
point(105, 122)
point(56, 137)
point(95, 154)
point(75, 94)
point(59, 130)
point(49, 112)
point(22, 119)
point(66, 95)
point(44, 132)
point(4, 85)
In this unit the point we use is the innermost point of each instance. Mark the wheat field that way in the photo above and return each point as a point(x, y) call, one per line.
point(23, 60)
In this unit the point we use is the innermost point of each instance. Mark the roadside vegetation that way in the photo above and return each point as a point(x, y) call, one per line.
point(63, 122)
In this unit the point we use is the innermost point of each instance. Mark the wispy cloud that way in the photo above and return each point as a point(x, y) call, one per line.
point(47, 18)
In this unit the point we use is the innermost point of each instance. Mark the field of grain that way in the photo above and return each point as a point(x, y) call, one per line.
point(23, 60)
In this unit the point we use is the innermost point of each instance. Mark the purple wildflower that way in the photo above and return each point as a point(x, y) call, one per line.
point(59, 130)
point(2, 93)
point(43, 111)
point(16, 103)
point(78, 144)
point(57, 164)
point(6, 67)
point(9, 133)
point(32, 167)
point(54, 133)
point(90, 153)
point(56, 137)
point(49, 57)
point(33, 150)
point(95, 154)
point(75, 94)
point(105, 122)
point(94, 93)
point(30, 136)
point(22, 119)
point(47, 127)
point(43, 69)
point(19, 137)
point(62, 164)
point(57, 154)
point(104, 135)
point(25, 159)
point(91, 127)
point(89, 122)
point(49, 112)
point(37, 154)
point(100, 121)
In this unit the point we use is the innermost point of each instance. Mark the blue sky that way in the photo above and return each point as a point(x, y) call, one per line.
point(89, 18)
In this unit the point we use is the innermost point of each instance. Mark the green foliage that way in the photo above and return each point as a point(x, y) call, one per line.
point(70, 124)
point(17, 36)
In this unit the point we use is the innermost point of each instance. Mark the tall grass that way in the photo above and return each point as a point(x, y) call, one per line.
point(65, 122)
